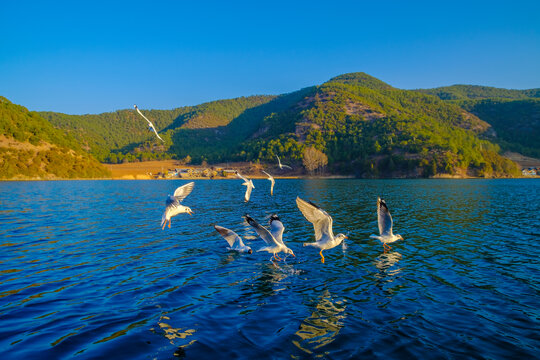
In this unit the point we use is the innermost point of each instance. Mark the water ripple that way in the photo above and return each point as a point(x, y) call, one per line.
point(87, 272)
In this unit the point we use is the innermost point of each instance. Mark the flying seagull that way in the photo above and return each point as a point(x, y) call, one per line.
point(150, 125)
point(234, 240)
point(385, 225)
point(281, 166)
point(249, 186)
point(273, 238)
point(322, 224)
point(271, 178)
point(174, 207)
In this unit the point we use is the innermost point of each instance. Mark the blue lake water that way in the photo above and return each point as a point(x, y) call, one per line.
point(86, 272)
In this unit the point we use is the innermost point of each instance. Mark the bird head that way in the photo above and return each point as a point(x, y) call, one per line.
point(341, 237)
point(274, 217)
point(399, 237)
point(188, 210)
point(289, 251)
point(250, 251)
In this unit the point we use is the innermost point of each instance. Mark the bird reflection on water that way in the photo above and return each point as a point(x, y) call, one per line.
point(323, 325)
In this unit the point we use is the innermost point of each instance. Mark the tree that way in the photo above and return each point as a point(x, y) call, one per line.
point(314, 159)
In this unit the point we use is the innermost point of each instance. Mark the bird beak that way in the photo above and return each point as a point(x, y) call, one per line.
point(293, 255)
point(190, 212)
point(346, 237)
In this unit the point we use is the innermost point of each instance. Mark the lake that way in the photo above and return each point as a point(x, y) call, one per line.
point(86, 272)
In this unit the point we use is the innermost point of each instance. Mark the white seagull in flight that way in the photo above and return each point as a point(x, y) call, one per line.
point(234, 240)
point(281, 166)
point(174, 207)
point(249, 186)
point(385, 225)
point(322, 224)
point(271, 178)
point(150, 125)
point(273, 238)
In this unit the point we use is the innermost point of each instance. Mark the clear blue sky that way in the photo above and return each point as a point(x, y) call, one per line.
point(83, 57)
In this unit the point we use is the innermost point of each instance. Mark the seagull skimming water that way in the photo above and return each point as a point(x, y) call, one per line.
point(385, 225)
point(273, 238)
point(322, 224)
point(174, 207)
point(234, 240)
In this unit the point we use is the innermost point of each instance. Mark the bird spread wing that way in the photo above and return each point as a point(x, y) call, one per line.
point(149, 123)
point(183, 191)
point(261, 231)
point(384, 218)
point(276, 229)
point(238, 175)
point(248, 190)
point(228, 235)
point(322, 222)
point(286, 166)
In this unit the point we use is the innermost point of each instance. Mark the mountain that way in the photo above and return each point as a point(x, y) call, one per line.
point(513, 114)
point(362, 125)
point(368, 128)
point(126, 132)
point(30, 148)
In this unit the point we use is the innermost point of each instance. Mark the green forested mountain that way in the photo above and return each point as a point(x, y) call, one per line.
point(30, 147)
point(126, 132)
point(513, 114)
point(475, 92)
point(363, 125)
point(368, 128)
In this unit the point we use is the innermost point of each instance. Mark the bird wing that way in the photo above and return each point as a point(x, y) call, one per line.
point(228, 235)
point(262, 232)
point(183, 191)
point(287, 166)
point(276, 229)
point(238, 175)
point(384, 218)
point(149, 122)
point(322, 222)
point(249, 187)
point(272, 182)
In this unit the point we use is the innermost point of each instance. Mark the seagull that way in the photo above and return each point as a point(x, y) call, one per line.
point(281, 166)
point(173, 207)
point(385, 225)
point(322, 224)
point(150, 125)
point(249, 186)
point(234, 240)
point(273, 238)
point(271, 178)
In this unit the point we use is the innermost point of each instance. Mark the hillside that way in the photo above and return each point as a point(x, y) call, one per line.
point(513, 114)
point(362, 125)
point(125, 132)
point(30, 147)
point(369, 128)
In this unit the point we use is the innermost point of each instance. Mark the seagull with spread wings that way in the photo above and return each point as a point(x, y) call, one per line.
point(385, 225)
point(233, 239)
point(173, 206)
point(272, 181)
point(248, 184)
point(282, 166)
point(273, 238)
point(322, 224)
point(150, 125)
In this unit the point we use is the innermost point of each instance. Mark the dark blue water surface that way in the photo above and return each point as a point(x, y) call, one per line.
point(86, 272)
